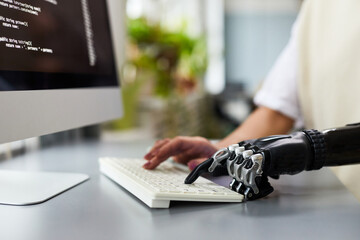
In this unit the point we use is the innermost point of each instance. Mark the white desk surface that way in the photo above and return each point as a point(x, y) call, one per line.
point(313, 205)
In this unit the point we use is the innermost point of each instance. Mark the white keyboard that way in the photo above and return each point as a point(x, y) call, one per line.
point(156, 188)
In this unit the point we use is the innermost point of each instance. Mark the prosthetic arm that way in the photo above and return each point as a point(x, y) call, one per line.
point(250, 162)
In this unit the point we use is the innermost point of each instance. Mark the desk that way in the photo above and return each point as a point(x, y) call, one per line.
point(311, 205)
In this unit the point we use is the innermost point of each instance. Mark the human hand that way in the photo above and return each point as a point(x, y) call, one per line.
point(186, 150)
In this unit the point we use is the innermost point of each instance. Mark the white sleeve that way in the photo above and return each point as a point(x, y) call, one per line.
point(279, 90)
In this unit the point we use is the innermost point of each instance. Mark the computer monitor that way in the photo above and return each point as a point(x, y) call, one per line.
point(59, 62)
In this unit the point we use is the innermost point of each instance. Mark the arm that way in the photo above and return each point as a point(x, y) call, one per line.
point(262, 122)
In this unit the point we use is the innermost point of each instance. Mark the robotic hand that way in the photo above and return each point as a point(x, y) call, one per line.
point(250, 162)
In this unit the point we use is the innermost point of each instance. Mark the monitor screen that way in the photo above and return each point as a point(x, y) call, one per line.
point(59, 61)
point(55, 44)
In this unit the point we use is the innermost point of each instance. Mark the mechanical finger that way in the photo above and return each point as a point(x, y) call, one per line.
point(200, 169)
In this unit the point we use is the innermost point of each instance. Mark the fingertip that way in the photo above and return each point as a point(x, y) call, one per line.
point(147, 165)
point(151, 164)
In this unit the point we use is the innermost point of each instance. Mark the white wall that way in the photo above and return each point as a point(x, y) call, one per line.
point(267, 6)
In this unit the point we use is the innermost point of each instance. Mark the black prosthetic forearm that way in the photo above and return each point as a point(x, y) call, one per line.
point(342, 145)
point(312, 150)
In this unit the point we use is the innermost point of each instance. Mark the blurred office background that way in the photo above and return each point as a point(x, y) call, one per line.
point(192, 68)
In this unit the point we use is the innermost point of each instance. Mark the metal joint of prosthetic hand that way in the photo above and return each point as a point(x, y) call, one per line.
point(244, 166)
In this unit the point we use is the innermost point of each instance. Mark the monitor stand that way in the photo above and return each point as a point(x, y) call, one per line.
point(27, 188)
